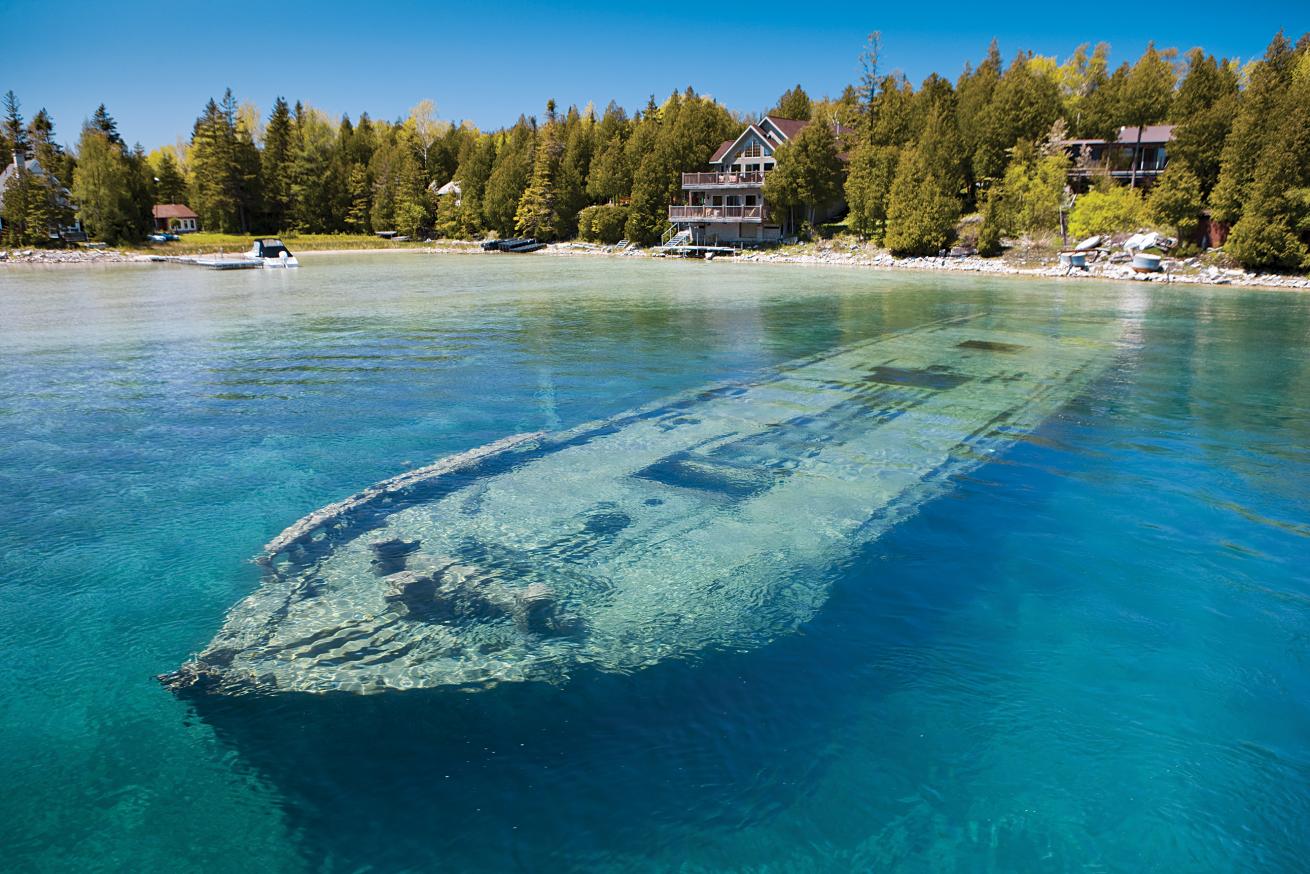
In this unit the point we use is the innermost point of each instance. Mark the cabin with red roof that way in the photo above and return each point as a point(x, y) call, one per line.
point(724, 205)
point(175, 218)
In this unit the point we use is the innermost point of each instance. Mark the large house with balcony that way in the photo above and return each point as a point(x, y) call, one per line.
point(1116, 157)
point(725, 205)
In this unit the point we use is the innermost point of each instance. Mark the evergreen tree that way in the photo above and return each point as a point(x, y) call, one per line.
point(49, 154)
point(169, 186)
point(1083, 78)
point(868, 188)
point(1023, 107)
point(536, 215)
point(509, 178)
point(102, 121)
point(473, 172)
point(808, 173)
point(1175, 200)
point(1274, 230)
point(15, 134)
point(575, 167)
point(1146, 97)
point(360, 196)
point(276, 165)
point(1260, 107)
point(314, 176)
point(794, 103)
point(1204, 109)
point(925, 202)
point(103, 187)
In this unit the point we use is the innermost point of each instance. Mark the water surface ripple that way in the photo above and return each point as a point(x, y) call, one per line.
point(1090, 653)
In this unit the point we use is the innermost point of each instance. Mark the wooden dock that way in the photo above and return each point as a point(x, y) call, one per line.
point(212, 263)
point(692, 250)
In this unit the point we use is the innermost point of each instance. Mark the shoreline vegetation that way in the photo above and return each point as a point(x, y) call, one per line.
point(984, 163)
point(848, 252)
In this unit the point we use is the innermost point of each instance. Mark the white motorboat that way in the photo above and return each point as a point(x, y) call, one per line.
point(273, 253)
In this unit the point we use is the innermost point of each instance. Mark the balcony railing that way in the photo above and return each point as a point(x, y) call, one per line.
point(715, 180)
point(716, 213)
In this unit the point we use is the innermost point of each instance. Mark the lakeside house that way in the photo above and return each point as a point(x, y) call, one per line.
point(451, 187)
point(175, 218)
point(1093, 156)
point(31, 166)
point(725, 205)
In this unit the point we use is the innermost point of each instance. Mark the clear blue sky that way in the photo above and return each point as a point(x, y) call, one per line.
point(155, 65)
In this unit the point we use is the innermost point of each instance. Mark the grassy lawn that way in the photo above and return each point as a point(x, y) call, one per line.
point(203, 242)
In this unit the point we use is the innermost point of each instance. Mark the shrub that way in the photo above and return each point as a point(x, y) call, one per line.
point(1175, 201)
point(1107, 212)
point(989, 235)
point(602, 224)
point(1260, 241)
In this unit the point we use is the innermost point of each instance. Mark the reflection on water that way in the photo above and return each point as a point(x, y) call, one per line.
point(1088, 651)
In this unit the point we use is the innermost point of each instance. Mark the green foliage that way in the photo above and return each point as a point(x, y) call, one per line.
point(400, 195)
point(794, 103)
point(359, 193)
point(32, 209)
point(169, 184)
point(315, 175)
point(1032, 193)
point(509, 178)
point(603, 223)
point(1109, 211)
point(1274, 230)
point(1175, 200)
point(669, 140)
point(276, 164)
point(103, 188)
point(808, 174)
point(993, 226)
point(868, 188)
point(1024, 105)
point(224, 168)
point(537, 213)
point(925, 198)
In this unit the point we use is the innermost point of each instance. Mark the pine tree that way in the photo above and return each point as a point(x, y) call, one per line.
point(575, 166)
point(509, 178)
point(14, 133)
point(214, 170)
point(868, 188)
point(536, 215)
point(1274, 230)
point(1260, 107)
point(1204, 109)
point(925, 201)
point(1023, 107)
point(102, 121)
point(1175, 200)
point(103, 187)
point(169, 186)
point(1146, 97)
point(313, 175)
point(275, 165)
point(360, 196)
point(808, 173)
point(794, 103)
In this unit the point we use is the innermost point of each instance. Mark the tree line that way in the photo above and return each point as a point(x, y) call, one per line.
point(910, 162)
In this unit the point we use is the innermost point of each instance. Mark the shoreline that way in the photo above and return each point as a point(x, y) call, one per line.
point(816, 256)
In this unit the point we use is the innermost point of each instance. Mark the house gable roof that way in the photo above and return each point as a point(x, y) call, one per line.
point(172, 210)
point(772, 130)
point(1152, 134)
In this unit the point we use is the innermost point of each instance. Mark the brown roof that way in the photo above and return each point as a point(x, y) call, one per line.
point(722, 150)
point(172, 210)
point(1151, 133)
point(790, 127)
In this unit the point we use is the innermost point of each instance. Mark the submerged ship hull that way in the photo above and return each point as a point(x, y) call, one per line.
point(703, 521)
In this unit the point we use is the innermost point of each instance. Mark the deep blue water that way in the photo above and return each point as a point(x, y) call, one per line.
point(1090, 654)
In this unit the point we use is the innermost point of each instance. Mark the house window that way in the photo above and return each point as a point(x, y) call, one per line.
point(752, 151)
point(736, 168)
point(718, 200)
point(750, 200)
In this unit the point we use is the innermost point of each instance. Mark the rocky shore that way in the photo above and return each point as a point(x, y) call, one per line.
point(68, 256)
point(1187, 271)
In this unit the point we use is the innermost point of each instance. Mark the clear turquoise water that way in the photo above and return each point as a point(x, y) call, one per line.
point(1090, 654)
